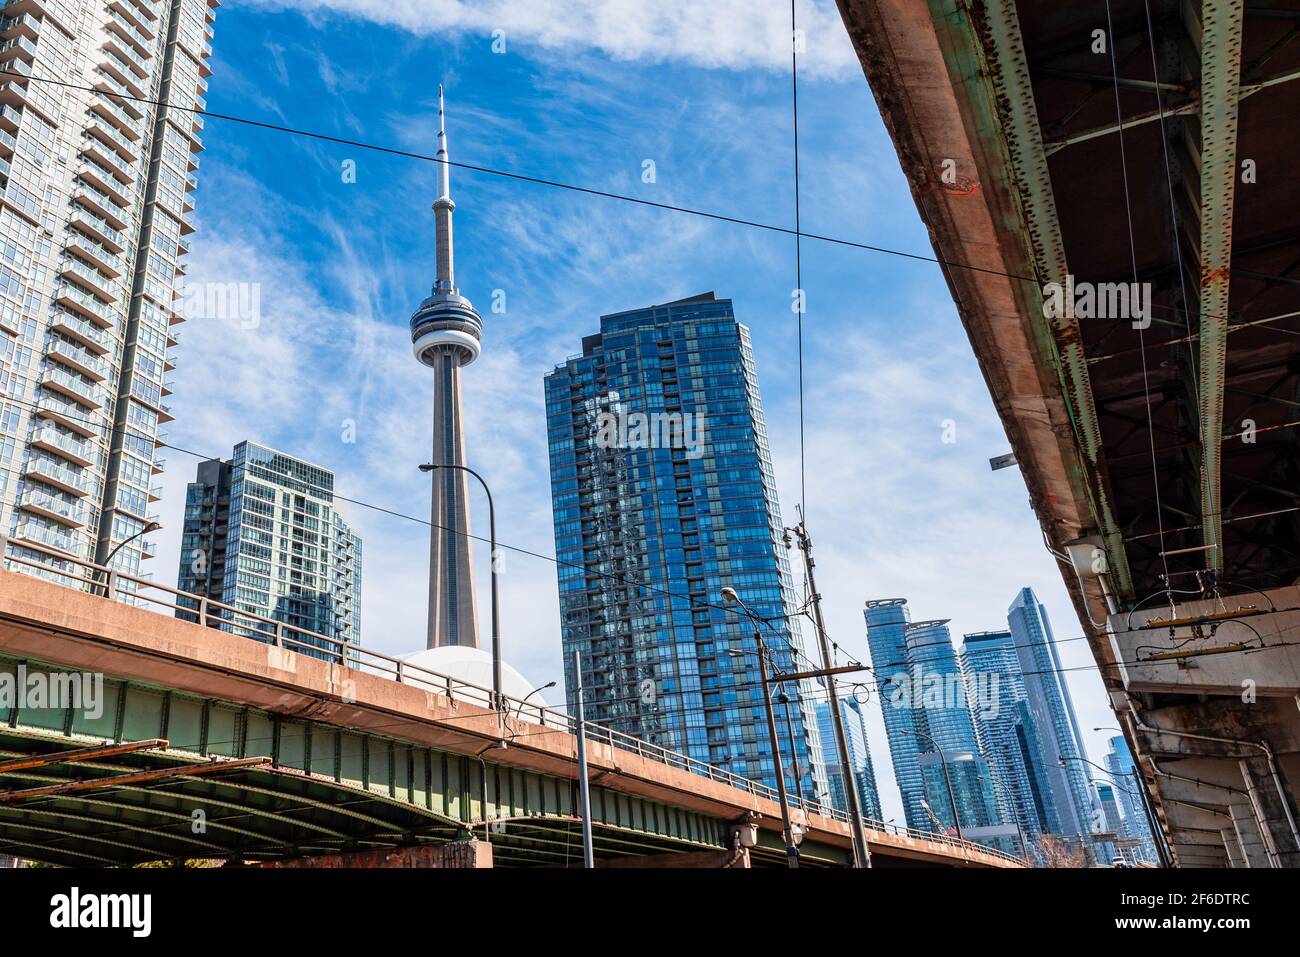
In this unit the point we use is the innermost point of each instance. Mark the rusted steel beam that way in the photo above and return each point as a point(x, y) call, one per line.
point(81, 754)
point(138, 777)
point(1220, 44)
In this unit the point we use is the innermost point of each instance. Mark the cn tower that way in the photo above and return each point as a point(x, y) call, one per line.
point(445, 334)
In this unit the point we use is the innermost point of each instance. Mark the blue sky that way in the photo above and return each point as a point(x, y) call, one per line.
point(584, 93)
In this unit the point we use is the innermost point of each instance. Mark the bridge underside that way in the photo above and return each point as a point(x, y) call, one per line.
point(320, 791)
point(1136, 149)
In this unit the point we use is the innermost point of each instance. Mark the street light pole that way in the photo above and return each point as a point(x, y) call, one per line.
point(943, 765)
point(791, 849)
point(794, 754)
point(498, 700)
point(584, 785)
point(108, 562)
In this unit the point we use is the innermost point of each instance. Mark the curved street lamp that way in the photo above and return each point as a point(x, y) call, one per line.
point(943, 764)
point(498, 701)
point(108, 562)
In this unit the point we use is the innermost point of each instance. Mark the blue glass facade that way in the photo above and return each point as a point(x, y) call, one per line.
point(942, 712)
point(887, 621)
point(864, 774)
point(663, 493)
point(1119, 761)
point(1053, 712)
point(1008, 737)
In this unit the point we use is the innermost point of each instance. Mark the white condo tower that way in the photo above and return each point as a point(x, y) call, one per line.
point(445, 333)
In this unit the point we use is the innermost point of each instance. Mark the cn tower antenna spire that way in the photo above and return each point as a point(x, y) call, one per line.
point(443, 207)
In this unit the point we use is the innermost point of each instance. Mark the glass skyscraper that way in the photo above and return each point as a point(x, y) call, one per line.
point(943, 714)
point(1007, 734)
point(663, 493)
point(887, 621)
point(932, 738)
point(1053, 712)
point(95, 204)
point(262, 533)
point(1119, 761)
point(855, 735)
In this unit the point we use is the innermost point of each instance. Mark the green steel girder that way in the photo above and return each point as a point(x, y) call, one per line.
point(990, 58)
point(1220, 43)
point(328, 790)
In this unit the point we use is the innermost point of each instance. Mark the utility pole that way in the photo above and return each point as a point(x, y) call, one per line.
point(584, 787)
point(861, 853)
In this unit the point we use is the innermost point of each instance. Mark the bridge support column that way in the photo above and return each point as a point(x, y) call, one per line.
point(462, 854)
point(1276, 821)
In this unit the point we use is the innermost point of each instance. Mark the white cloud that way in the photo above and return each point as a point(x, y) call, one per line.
point(727, 34)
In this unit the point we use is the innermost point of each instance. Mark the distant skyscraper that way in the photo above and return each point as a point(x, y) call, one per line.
point(1053, 711)
point(887, 621)
point(263, 534)
point(663, 493)
point(445, 334)
point(855, 734)
point(1007, 734)
point(94, 210)
point(942, 712)
point(1119, 761)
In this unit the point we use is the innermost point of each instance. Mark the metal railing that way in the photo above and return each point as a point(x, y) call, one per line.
point(110, 583)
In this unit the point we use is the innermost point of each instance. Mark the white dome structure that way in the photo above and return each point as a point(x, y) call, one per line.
point(474, 665)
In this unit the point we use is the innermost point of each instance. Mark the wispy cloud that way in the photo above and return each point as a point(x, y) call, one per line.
point(726, 34)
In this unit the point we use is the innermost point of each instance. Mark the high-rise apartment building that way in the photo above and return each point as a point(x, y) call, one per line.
point(663, 493)
point(1008, 736)
point(953, 770)
point(95, 197)
point(864, 773)
point(263, 534)
point(887, 621)
point(1053, 711)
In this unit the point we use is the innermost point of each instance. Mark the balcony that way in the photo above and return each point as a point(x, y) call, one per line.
point(129, 13)
point(116, 67)
point(108, 86)
point(96, 150)
point(74, 387)
point(91, 279)
point(97, 254)
point(55, 408)
point(110, 134)
point(77, 452)
point(158, 467)
point(9, 118)
point(88, 334)
point(59, 476)
point(122, 120)
point(100, 204)
point(35, 532)
point(99, 228)
point(81, 360)
point(52, 507)
point(20, 47)
point(23, 25)
point(123, 26)
point(117, 45)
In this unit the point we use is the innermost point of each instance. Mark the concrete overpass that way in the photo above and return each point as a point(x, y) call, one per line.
point(1138, 152)
point(208, 744)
